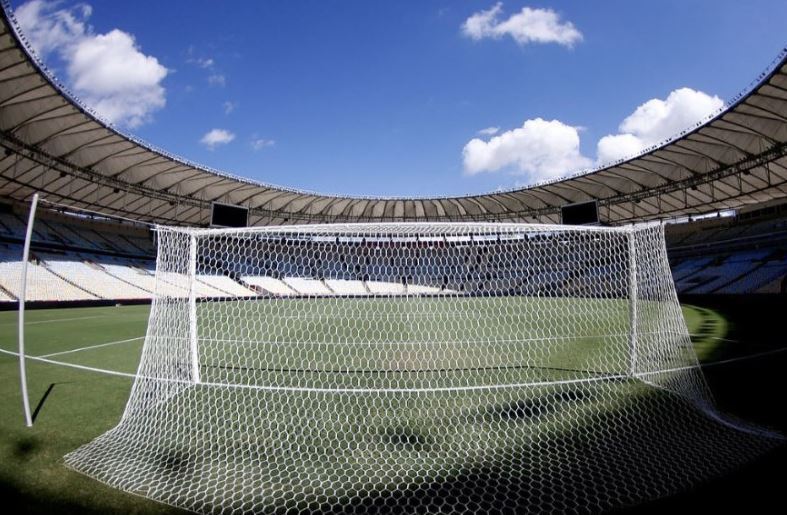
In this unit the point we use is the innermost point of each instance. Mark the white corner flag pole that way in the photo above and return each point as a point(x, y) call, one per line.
point(22, 297)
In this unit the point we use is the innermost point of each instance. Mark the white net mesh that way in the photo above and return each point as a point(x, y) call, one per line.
point(419, 368)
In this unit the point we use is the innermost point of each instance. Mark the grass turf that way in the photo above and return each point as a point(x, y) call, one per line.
point(74, 406)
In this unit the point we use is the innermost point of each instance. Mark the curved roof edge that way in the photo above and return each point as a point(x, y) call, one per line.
point(531, 203)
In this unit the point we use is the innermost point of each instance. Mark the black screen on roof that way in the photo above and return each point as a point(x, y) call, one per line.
point(229, 216)
point(580, 214)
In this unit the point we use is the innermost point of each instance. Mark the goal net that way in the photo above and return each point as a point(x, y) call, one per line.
point(415, 368)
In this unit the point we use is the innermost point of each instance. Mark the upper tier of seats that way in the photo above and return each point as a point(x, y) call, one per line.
point(67, 232)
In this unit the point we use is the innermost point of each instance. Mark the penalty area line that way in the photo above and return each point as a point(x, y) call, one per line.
point(74, 365)
point(614, 377)
point(709, 364)
point(55, 320)
point(90, 347)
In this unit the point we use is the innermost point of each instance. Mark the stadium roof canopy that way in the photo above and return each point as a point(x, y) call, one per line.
point(57, 146)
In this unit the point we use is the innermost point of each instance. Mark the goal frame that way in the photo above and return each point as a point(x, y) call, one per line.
point(195, 235)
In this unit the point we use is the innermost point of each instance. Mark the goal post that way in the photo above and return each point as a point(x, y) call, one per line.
point(21, 314)
point(633, 294)
point(192, 282)
point(413, 367)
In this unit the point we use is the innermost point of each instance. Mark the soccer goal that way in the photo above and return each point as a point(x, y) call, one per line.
point(414, 368)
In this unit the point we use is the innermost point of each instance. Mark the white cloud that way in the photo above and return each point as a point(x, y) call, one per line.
point(655, 121)
point(107, 71)
point(48, 29)
point(540, 149)
point(116, 79)
point(229, 106)
point(527, 26)
point(489, 131)
point(216, 137)
point(544, 150)
point(260, 143)
point(480, 25)
point(202, 62)
point(217, 79)
point(611, 148)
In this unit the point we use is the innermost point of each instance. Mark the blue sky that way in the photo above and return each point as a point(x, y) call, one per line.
point(405, 98)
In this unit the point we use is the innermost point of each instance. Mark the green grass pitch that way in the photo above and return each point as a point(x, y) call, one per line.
point(74, 406)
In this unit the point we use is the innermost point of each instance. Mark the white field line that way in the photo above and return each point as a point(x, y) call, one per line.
point(742, 358)
point(400, 390)
point(695, 335)
point(54, 320)
point(72, 365)
point(91, 347)
point(714, 363)
point(546, 339)
point(325, 390)
point(328, 390)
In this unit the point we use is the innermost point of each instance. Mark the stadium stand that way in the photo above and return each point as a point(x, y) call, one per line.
point(347, 287)
point(688, 267)
point(385, 288)
point(416, 289)
point(131, 272)
point(92, 277)
point(67, 232)
point(206, 289)
point(760, 279)
point(79, 258)
point(307, 286)
point(739, 254)
point(226, 285)
point(269, 285)
point(725, 270)
point(42, 283)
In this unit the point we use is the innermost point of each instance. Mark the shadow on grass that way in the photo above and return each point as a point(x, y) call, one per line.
point(620, 459)
point(658, 446)
point(529, 409)
point(42, 401)
point(24, 447)
point(559, 454)
point(26, 502)
point(746, 324)
point(754, 390)
point(18, 499)
point(176, 462)
point(407, 438)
